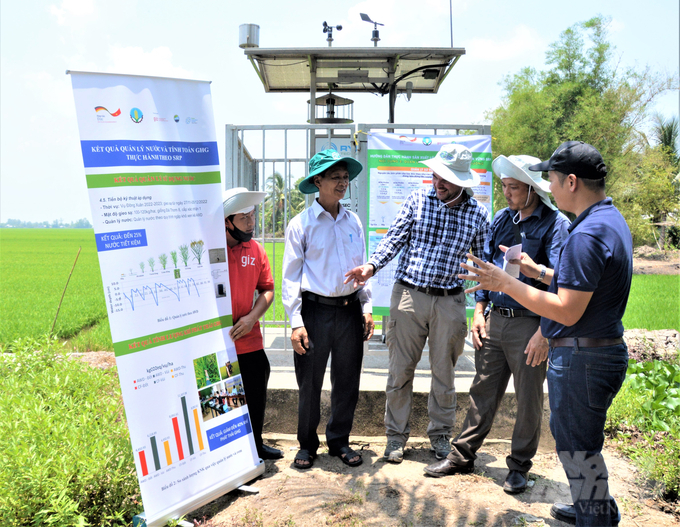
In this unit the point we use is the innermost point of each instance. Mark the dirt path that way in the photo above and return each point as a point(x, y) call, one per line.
point(382, 494)
point(648, 260)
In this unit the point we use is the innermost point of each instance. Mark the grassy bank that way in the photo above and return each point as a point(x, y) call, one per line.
point(644, 420)
point(65, 456)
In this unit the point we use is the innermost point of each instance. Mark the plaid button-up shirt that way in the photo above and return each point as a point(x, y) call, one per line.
point(435, 239)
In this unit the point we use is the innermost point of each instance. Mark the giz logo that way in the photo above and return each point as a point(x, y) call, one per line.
point(247, 260)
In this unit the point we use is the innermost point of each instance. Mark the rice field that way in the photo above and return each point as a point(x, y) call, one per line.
point(35, 264)
point(34, 267)
point(654, 302)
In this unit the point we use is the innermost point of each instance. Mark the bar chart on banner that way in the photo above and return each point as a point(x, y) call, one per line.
point(175, 444)
point(135, 293)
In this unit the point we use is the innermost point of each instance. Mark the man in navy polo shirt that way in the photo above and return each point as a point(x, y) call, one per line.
point(582, 312)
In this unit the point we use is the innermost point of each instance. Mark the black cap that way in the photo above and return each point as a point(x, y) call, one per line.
point(575, 157)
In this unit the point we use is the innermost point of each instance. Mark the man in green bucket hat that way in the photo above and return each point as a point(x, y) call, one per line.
point(327, 317)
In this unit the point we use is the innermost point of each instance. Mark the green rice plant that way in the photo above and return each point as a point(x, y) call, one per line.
point(173, 255)
point(184, 254)
point(653, 302)
point(152, 263)
point(141, 266)
point(34, 267)
point(65, 454)
point(163, 259)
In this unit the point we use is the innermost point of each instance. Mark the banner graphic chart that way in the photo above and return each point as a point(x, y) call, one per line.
point(395, 171)
point(152, 170)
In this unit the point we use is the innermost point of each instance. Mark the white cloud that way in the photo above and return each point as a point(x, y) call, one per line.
point(616, 26)
point(54, 93)
point(522, 42)
point(72, 10)
point(135, 61)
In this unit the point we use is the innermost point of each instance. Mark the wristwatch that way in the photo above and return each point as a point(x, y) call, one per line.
point(541, 275)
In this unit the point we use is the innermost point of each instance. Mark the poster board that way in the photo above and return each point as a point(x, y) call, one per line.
point(394, 171)
point(152, 171)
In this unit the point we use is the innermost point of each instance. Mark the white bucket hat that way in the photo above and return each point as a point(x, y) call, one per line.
point(452, 163)
point(240, 200)
point(517, 167)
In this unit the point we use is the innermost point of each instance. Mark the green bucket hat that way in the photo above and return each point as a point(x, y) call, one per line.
point(322, 162)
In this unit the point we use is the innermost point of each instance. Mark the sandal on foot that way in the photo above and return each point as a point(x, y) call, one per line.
point(345, 454)
point(304, 455)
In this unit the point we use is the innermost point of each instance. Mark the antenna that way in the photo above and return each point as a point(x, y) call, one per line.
point(376, 34)
point(329, 29)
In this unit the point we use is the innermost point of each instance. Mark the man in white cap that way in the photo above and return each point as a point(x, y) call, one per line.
point(508, 339)
point(249, 271)
point(435, 228)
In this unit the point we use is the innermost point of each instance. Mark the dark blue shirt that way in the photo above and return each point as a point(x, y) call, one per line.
point(597, 257)
point(543, 232)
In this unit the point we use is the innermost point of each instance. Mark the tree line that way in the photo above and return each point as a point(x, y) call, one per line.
point(82, 223)
point(585, 94)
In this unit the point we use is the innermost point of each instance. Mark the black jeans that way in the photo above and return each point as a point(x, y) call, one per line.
point(255, 371)
point(336, 331)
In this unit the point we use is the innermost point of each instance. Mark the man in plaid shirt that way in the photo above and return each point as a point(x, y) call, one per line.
point(435, 228)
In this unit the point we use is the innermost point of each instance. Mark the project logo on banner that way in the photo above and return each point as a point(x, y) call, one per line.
point(394, 171)
point(152, 170)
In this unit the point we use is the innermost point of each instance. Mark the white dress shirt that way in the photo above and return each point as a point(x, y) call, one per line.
point(319, 250)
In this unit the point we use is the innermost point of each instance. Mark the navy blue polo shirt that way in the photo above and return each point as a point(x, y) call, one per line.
point(543, 233)
point(597, 256)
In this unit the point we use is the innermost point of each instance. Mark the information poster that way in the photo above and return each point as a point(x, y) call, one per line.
point(394, 172)
point(152, 170)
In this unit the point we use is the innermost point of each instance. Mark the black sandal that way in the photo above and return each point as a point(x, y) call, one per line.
point(304, 455)
point(345, 453)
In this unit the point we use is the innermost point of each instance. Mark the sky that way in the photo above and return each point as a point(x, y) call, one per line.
point(41, 168)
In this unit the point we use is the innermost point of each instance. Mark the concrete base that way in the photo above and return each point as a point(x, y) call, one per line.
point(282, 398)
point(281, 415)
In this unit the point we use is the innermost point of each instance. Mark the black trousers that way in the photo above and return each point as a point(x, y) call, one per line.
point(255, 372)
point(336, 331)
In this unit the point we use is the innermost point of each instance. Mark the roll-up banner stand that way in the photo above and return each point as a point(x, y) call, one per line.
point(152, 170)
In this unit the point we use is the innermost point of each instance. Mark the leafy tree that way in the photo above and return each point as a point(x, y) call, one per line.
point(666, 134)
point(651, 198)
point(281, 203)
point(582, 95)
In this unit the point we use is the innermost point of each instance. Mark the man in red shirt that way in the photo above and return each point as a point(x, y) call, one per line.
point(249, 271)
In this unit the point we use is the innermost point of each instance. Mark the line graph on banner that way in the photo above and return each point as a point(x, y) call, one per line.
point(135, 293)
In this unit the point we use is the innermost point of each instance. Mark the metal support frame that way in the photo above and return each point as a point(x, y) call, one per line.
point(365, 129)
point(250, 170)
point(246, 167)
